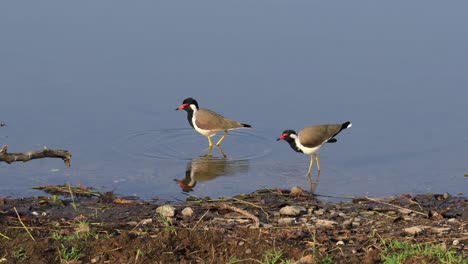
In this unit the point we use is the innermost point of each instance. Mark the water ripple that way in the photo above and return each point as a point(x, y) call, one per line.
point(185, 144)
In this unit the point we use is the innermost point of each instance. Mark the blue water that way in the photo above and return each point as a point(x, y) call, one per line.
point(102, 80)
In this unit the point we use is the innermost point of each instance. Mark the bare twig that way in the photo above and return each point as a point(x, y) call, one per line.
point(36, 154)
point(25, 228)
point(4, 236)
point(203, 216)
point(235, 209)
point(395, 206)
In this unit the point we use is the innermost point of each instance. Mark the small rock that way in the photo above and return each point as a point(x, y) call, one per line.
point(404, 211)
point(241, 243)
point(342, 215)
point(325, 223)
point(286, 220)
point(146, 221)
point(248, 251)
point(166, 210)
point(340, 243)
point(414, 230)
point(187, 212)
point(440, 230)
point(355, 224)
point(297, 191)
point(347, 223)
point(320, 212)
point(292, 210)
point(456, 242)
point(453, 221)
point(357, 219)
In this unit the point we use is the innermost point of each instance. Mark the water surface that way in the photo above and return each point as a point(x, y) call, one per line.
point(103, 79)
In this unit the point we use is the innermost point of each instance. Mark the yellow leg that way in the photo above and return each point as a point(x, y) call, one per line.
point(209, 142)
point(221, 151)
point(310, 164)
point(318, 162)
point(208, 154)
point(221, 139)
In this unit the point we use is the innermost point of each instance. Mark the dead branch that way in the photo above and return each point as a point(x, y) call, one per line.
point(241, 211)
point(36, 154)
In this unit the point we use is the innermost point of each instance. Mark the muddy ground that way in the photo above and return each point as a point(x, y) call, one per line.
point(294, 225)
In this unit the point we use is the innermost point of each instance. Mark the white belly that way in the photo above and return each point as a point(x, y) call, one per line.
point(307, 150)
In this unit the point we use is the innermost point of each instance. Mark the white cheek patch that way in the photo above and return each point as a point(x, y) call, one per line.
point(194, 108)
point(293, 136)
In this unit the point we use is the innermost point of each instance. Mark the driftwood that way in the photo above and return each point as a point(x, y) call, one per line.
point(36, 154)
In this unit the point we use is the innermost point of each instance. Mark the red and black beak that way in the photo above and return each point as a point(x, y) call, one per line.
point(283, 136)
point(182, 106)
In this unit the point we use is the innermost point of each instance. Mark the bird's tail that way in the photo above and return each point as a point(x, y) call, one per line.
point(346, 125)
point(245, 125)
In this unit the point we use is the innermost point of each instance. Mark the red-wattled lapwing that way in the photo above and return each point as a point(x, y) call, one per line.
point(311, 138)
point(207, 122)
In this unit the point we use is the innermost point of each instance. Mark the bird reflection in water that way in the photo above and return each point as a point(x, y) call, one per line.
point(207, 167)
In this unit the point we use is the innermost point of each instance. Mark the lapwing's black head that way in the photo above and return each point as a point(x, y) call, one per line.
point(286, 135)
point(290, 136)
point(188, 104)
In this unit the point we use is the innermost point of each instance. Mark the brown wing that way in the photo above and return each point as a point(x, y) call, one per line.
point(313, 136)
point(207, 119)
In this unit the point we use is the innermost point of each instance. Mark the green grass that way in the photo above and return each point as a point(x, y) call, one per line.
point(82, 231)
point(395, 252)
point(68, 254)
point(327, 259)
point(273, 257)
point(168, 226)
point(19, 254)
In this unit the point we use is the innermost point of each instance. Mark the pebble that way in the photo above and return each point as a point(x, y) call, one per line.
point(347, 223)
point(340, 243)
point(440, 230)
point(320, 212)
point(414, 230)
point(286, 220)
point(342, 215)
point(325, 223)
point(456, 242)
point(146, 221)
point(297, 191)
point(187, 212)
point(355, 224)
point(292, 210)
point(166, 210)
